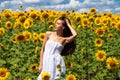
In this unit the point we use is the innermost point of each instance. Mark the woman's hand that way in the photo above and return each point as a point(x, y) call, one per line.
point(67, 21)
point(40, 69)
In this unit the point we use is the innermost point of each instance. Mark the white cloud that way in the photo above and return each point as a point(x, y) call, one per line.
point(100, 5)
point(55, 1)
point(16, 2)
point(107, 10)
point(73, 2)
point(4, 3)
point(83, 10)
point(86, 1)
point(31, 1)
point(117, 9)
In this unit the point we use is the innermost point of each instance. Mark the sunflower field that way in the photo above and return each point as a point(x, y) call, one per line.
point(97, 53)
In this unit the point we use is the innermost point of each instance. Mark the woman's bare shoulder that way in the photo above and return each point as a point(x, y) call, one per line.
point(49, 32)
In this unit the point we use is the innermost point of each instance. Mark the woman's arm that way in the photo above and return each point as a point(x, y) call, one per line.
point(74, 33)
point(42, 51)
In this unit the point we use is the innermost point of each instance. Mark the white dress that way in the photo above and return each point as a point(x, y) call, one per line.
point(51, 59)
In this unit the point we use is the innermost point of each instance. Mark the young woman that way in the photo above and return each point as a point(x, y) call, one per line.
point(61, 41)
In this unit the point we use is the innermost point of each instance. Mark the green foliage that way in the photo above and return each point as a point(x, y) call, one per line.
point(17, 57)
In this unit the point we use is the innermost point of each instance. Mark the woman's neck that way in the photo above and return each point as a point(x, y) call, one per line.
point(59, 33)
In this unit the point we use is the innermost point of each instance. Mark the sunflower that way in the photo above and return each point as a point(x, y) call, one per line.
point(27, 79)
point(117, 18)
point(0, 23)
point(58, 67)
point(45, 15)
point(35, 35)
point(100, 55)
point(17, 25)
point(21, 19)
point(27, 35)
point(50, 23)
point(7, 15)
point(97, 21)
point(55, 20)
point(112, 63)
point(100, 15)
point(51, 27)
point(41, 10)
point(104, 21)
point(78, 18)
point(35, 41)
point(30, 20)
point(105, 29)
point(71, 77)
point(73, 10)
point(92, 11)
point(41, 36)
point(98, 42)
point(110, 36)
point(85, 21)
point(0, 16)
point(34, 67)
point(4, 73)
point(45, 76)
point(21, 6)
point(8, 24)
point(20, 38)
point(36, 50)
point(92, 29)
point(109, 14)
point(2, 31)
point(26, 25)
point(84, 26)
point(91, 18)
point(33, 15)
point(14, 40)
point(118, 26)
point(31, 10)
point(100, 32)
point(69, 64)
point(1, 47)
point(113, 23)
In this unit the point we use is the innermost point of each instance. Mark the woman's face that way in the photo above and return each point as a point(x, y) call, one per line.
point(59, 25)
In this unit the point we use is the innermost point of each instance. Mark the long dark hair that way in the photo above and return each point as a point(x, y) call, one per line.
point(69, 47)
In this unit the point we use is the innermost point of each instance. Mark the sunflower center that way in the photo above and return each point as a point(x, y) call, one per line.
point(69, 64)
point(100, 55)
point(104, 21)
point(71, 78)
point(42, 37)
point(7, 16)
point(113, 24)
point(46, 78)
point(93, 10)
point(97, 21)
point(112, 64)
point(100, 32)
point(2, 74)
point(33, 16)
point(118, 26)
point(20, 37)
point(85, 22)
point(34, 68)
point(8, 25)
point(98, 41)
point(1, 31)
point(22, 19)
point(45, 15)
point(78, 19)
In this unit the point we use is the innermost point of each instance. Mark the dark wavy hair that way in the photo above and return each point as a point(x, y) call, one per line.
point(69, 47)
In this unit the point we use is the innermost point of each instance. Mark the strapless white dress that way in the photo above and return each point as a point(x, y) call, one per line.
point(51, 59)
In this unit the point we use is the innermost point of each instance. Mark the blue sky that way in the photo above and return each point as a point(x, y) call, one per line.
point(62, 5)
